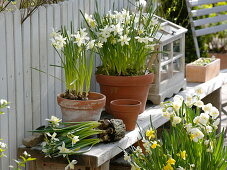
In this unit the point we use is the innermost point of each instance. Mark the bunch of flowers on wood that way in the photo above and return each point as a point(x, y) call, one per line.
point(192, 142)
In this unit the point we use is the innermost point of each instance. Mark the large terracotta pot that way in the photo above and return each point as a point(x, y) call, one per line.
point(82, 110)
point(222, 57)
point(126, 110)
point(125, 87)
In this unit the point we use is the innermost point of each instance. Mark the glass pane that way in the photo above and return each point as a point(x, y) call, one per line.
point(166, 52)
point(165, 72)
point(176, 48)
point(177, 66)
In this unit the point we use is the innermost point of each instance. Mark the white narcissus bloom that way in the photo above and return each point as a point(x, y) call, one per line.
point(90, 44)
point(63, 149)
point(209, 129)
point(206, 142)
point(214, 112)
point(99, 44)
point(203, 118)
point(124, 40)
point(180, 168)
point(199, 103)
point(188, 127)
point(75, 139)
point(199, 91)
point(168, 113)
point(90, 20)
point(26, 154)
point(216, 123)
point(176, 120)
point(3, 102)
point(142, 3)
point(3, 145)
point(207, 108)
point(54, 120)
point(58, 41)
point(127, 157)
point(117, 29)
point(196, 134)
point(53, 136)
point(71, 165)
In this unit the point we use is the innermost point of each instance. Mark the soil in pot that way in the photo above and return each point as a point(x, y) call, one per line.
point(125, 87)
point(82, 110)
point(127, 110)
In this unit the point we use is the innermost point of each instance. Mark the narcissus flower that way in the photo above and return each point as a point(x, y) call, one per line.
point(171, 161)
point(150, 134)
point(154, 145)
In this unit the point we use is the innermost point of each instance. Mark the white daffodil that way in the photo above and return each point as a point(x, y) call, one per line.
point(54, 120)
point(140, 3)
point(176, 120)
point(75, 139)
point(206, 142)
point(188, 127)
point(124, 40)
point(58, 41)
point(138, 150)
point(199, 91)
point(209, 129)
point(168, 113)
point(127, 157)
point(99, 45)
point(135, 167)
point(90, 44)
point(196, 134)
point(91, 22)
point(214, 112)
point(71, 165)
point(180, 168)
point(203, 118)
point(53, 136)
point(207, 108)
point(199, 103)
point(63, 149)
point(117, 29)
point(26, 154)
point(216, 123)
point(3, 102)
point(3, 145)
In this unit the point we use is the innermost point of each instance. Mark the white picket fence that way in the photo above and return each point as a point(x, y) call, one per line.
point(32, 94)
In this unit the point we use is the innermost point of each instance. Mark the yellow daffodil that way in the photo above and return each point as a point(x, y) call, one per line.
point(150, 134)
point(168, 167)
point(182, 154)
point(154, 145)
point(171, 161)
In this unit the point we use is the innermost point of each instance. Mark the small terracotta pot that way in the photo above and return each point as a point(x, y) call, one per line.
point(125, 87)
point(82, 110)
point(126, 110)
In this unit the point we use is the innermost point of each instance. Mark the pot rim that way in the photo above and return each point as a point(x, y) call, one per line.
point(124, 76)
point(114, 102)
point(103, 97)
point(194, 65)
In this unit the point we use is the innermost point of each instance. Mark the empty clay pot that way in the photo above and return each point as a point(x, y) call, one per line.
point(127, 110)
point(125, 87)
point(82, 110)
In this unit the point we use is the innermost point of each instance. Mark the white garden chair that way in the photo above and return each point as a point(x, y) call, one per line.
point(206, 21)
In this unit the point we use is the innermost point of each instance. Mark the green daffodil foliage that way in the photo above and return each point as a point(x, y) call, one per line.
point(126, 39)
point(76, 52)
point(192, 142)
point(69, 138)
point(203, 61)
point(3, 146)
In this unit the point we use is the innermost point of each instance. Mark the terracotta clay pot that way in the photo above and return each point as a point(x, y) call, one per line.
point(82, 110)
point(222, 57)
point(126, 110)
point(125, 87)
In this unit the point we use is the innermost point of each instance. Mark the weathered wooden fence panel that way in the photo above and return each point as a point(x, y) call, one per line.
point(32, 94)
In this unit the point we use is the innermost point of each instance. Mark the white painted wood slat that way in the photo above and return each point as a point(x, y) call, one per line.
point(216, 9)
point(26, 39)
point(4, 163)
point(210, 30)
point(43, 63)
point(202, 2)
point(211, 20)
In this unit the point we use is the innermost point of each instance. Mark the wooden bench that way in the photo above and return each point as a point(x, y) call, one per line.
point(99, 156)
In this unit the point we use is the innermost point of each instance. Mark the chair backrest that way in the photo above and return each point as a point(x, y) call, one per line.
point(206, 24)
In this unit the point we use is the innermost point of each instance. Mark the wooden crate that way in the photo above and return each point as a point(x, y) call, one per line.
point(200, 74)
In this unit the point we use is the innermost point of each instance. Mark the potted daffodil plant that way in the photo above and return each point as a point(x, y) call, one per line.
point(76, 52)
point(127, 42)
